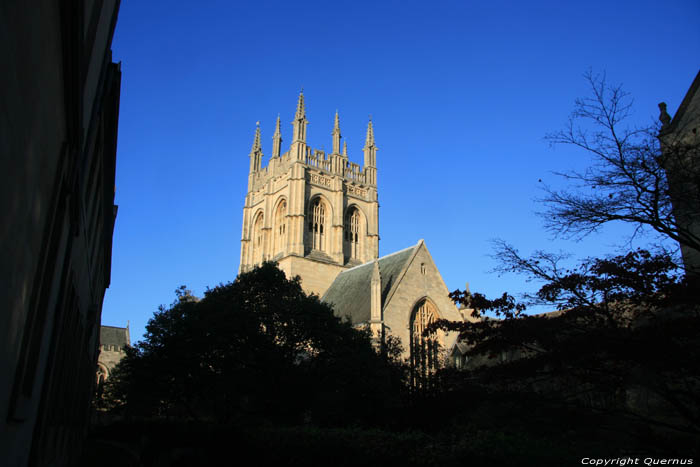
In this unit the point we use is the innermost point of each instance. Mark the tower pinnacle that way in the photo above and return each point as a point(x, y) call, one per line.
point(256, 151)
point(369, 141)
point(256, 141)
point(300, 121)
point(336, 134)
point(370, 151)
point(277, 139)
point(301, 110)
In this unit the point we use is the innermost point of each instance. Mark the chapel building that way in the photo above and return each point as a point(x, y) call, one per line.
point(316, 215)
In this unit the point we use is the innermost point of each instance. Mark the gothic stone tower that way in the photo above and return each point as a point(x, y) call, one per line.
point(315, 214)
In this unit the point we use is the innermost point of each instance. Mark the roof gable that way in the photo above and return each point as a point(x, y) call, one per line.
point(111, 335)
point(349, 294)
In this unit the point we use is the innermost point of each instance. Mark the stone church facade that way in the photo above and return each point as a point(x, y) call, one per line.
point(316, 215)
point(113, 341)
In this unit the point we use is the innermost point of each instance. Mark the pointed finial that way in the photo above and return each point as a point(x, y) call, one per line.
point(369, 141)
point(301, 112)
point(345, 148)
point(336, 126)
point(277, 125)
point(256, 142)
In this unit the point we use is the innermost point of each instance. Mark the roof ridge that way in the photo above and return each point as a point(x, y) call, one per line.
point(379, 259)
point(402, 273)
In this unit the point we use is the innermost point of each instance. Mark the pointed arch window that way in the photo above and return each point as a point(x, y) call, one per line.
point(352, 234)
point(280, 226)
point(258, 239)
point(424, 348)
point(317, 225)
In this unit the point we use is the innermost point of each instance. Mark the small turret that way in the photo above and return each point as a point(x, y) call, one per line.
point(300, 121)
point(277, 139)
point(298, 149)
point(336, 134)
point(370, 151)
point(256, 153)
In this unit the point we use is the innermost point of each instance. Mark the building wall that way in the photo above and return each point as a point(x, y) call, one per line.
point(422, 280)
point(316, 276)
point(680, 143)
point(59, 95)
point(110, 356)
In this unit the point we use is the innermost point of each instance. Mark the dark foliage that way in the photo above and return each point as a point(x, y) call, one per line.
point(621, 355)
point(618, 358)
point(256, 347)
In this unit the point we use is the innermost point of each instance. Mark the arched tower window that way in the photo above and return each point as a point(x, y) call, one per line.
point(352, 234)
point(280, 226)
point(424, 348)
point(258, 239)
point(317, 225)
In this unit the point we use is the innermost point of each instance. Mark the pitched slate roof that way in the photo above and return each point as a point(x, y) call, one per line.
point(349, 294)
point(111, 335)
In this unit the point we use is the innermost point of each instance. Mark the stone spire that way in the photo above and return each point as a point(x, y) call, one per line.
point(256, 151)
point(299, 150)
point(336, 134)
point(369, 141)
point(301, 110)
point(300, 121)
point(256, 141)
point(370, 151)
point(277, 139)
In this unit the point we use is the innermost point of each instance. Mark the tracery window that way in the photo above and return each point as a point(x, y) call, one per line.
point(258, 239)
point(280, 226)
point(352, 234)
point(424, 348)
point(317, 225)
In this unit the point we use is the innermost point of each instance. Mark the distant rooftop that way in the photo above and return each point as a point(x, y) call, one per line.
point(112, 335)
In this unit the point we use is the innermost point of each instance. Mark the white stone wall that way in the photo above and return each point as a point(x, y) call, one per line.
point(413, 287)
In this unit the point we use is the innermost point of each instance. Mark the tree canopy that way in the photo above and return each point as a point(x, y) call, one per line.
point(257, 346)
point(622, 335)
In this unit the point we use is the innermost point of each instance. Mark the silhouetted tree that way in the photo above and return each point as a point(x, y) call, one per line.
point(628, 180)
point(623, 335)
point(624, 341)
point(256, 347)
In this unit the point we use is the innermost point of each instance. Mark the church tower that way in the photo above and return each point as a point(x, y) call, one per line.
point(313, 213)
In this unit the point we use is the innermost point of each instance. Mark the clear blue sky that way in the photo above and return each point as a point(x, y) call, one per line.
point(460, 93)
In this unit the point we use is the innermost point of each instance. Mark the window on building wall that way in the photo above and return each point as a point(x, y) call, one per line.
point(280, 226)
point(352, 234)
point(317, 225)
point(424, 348)
point(258, 239)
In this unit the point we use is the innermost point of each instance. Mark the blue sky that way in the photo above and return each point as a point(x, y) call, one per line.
point(461, 95)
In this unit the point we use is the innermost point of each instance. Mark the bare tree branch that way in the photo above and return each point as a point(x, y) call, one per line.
point(628, 180)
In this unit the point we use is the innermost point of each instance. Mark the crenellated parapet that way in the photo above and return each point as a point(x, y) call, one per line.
point(336, 163)
point(314, 213)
